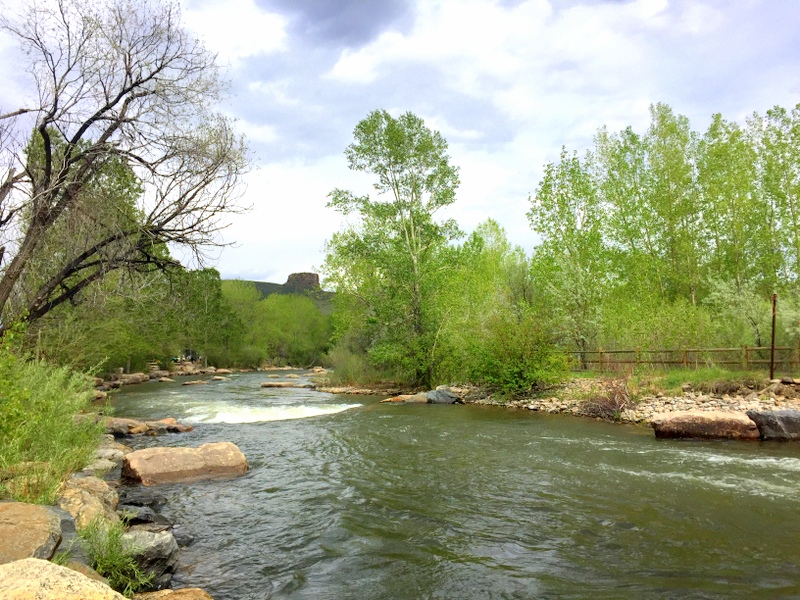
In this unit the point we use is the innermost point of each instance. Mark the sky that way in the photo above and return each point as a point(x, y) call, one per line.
point(506, 82)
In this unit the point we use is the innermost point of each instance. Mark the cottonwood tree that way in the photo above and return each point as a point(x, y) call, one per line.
point(121, 91)
point(389, 262)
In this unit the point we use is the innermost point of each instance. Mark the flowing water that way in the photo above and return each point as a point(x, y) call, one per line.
point(348, 498)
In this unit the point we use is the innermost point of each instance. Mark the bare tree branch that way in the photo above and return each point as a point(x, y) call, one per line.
point(121, 86)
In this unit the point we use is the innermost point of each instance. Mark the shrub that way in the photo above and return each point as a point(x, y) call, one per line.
point(41, 441)
point(350, 367)
point(113, 558)
point(609, 401)
point(516, 356)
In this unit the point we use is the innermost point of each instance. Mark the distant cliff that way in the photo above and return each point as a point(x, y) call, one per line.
point(302, 284)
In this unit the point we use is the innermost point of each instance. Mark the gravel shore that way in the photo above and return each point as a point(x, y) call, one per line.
point(574, 399)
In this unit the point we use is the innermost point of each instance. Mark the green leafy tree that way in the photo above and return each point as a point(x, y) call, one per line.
point(120, 86)
point(294, 330)
point(390, 262)
point(570, 265)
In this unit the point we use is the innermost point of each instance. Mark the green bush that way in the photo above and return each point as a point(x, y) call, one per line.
point(516, 356)
point(112, 558)
point(41, 441)
point(350, 367)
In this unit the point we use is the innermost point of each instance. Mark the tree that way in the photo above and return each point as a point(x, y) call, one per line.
point(570, 265)
point(390, 262)
point(120, 86)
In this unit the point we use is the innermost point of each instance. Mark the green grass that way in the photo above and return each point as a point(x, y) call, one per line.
point(648, 381)
point(113, 558)
point(710, 379)
point(41, 442)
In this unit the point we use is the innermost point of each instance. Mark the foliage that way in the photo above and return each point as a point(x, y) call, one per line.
point(113, 558)
point(516, 356)
point(41, 442)
point(392, 261)
point(671, 237)
point(127, 154)
point(610, 400)
point(294, 330)
point(711, 379)
point(351, 367)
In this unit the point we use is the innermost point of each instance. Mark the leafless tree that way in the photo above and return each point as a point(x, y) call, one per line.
point(121, 89)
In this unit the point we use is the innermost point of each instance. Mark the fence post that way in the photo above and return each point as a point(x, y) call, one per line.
point(797, 356)
point(745, 358)
point(685, 358)
point(600, 359)
point(638, 358)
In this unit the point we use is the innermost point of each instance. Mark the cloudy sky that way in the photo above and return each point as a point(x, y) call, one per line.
point(507, 82)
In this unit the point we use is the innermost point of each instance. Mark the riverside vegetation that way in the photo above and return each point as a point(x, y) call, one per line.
point(664, 238)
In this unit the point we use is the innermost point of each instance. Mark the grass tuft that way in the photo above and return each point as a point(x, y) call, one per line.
point(112, 558)
point(41, 442)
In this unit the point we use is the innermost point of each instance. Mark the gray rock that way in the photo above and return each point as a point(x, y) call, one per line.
point(184, 538)
point(139, 514)
point(777, 424)
point(71, 542)
point(442, 395)
point(154, 552)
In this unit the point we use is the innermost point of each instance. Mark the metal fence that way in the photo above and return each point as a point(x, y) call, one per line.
point(746, 358)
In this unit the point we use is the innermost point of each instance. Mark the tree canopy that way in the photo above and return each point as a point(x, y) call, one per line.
point(388, 265)
point(126, 144)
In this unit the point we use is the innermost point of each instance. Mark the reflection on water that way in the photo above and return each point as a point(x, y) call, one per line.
point(376, 501)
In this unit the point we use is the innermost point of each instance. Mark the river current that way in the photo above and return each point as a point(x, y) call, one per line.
point(349, 498)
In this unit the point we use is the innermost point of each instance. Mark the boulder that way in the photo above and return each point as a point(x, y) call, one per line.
point(777, 424)
point(704, 424)
point(70, 541)
point(99, 466)
point(156, 553)
point(110, 449)
point(27, 531)
point(195, 382)
point(442, 395)
point(169, 425)
point(86, 570)
point(166, 380)
point(286, 384)
point(153, 466)
point(182, 594)
point(421, 398)
point(133, 378)
point(36, 579)
point(224, 372)
point(87, 499)
point(121, 427)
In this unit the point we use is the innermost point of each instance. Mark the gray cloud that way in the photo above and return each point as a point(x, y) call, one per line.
point(349, 23)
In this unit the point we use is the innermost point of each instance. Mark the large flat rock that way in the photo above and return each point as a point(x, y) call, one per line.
point(36, 579)
point(154, 466)
point(781, 425)
point(182, 594)
point(27, 531)
point(704, 424)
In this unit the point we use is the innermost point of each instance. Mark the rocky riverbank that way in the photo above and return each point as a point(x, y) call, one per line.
point(581, 398)
point(31, 535)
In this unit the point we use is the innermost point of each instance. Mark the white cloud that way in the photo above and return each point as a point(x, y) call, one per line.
point(236, 29)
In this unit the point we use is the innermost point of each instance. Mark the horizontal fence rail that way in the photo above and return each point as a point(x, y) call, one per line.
point(787, 358)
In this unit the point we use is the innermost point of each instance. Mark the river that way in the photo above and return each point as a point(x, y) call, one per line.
point(349, 498)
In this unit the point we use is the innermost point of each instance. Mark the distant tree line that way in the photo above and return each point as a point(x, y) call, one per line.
point(666, 238)
point(672, 237)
